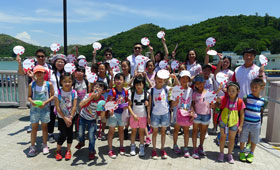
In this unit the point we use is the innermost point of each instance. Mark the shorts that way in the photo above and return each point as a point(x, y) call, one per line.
point(160, 120)
point(232, 128)
point(141, 123)
point(253, 129)
point(42, 115)
point(115, 120)
point(202, 119)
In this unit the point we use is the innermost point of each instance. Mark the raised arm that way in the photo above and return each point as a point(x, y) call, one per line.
point(165, 48)
point(206, 58)
point(20, 68)
point(219, 64)
point(94, 56)
point(152, 54)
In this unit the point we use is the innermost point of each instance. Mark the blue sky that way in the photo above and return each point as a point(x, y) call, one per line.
point(40, 21)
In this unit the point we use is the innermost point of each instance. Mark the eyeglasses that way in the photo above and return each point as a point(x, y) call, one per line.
point(108, 54)
point(40, 56)
point(137, 48)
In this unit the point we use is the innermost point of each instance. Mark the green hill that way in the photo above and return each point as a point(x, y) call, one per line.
point(233, 33)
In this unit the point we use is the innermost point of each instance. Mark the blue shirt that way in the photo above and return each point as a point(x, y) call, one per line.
point(253, 109)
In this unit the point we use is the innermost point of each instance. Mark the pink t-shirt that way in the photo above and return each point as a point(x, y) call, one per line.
point(200, 105)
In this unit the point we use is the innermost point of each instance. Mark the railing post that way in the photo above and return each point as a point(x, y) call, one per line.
point(22, 90)
point(273, 125)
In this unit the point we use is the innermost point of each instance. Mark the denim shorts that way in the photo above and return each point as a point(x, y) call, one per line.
point(232, 128)
point(254, 129)
point(37, 114)
point(160, 120)
point(202, 119)
point(115, 120)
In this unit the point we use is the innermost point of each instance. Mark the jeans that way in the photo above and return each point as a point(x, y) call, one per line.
point(91, 132)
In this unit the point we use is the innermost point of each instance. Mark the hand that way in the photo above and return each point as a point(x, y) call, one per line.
point(151, 48)
point(173, 54)
point(111, 112)
point(30, 74)
point(192, 115)
point(144, 74)
point(18, 59)
point(135, 117)
point(221, 56)
point(43, 105)
point(136, 71)
point(111, 73)
point(207, 49)
point(173, 76)
point(176, 101)
point(146, 103)
point(239, 129)
point(261, 71)
point(68, 121)
point(163, 40)
point(149, 120)
point(32, 103)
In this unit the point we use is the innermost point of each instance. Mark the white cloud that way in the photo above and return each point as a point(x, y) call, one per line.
point(24, 36)
point(47, 12)
point(44, 32)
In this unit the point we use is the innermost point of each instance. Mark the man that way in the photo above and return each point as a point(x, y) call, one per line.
point(137, 49)
point(247, 72)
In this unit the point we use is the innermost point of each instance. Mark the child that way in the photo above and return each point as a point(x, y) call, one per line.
point(150, 71)
point(125, 65)
point(120, 95)
point(255, 105)
point(138, 109)
point(202, 109)
point(158, 115)
point(81, 86)
point(89, 115)
point(182, 103)
point(65, 103)
point(39, 90)
point(232, 109)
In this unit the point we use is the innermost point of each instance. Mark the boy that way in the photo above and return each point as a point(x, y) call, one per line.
point(89, 115)
point(255, 105)
point(120, 95)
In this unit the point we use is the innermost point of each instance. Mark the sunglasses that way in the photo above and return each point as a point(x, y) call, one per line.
point(40, 56)
point(137, 48)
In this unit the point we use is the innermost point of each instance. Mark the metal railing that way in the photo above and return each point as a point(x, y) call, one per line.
point(13, 89)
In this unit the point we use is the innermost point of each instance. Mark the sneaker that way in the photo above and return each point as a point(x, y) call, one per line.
point(126, 134)
point(154, 155)
point(103, 136)
point(167, 132)
point(195, 154)
point(150, 131)
point(68, 155)
point(248, 148)
point(132, 150)
point(221, 157)
point(29, 129)
point(91, 156)
point(250, 158)
point(51, 138)
point(112, 155)
point(201, 151)
point(163, 154)
point(206, 135)
point(242, 157)
point(79, 145)
point(176, 149)
point(122, 152)
point(32, 151)
point(141, 150)
point(58, 156)
point(148, 141)
point(230, 158)
point(186, 153)
point(213, 131)
point(45, 149)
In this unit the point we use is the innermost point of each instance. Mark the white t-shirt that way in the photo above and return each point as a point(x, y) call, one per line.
point(194, 68)
point(139, 104)
point(53, 80)
point(160, 104)
point(133, 64)
point(244, 76)
point(66, 102)
point(209, 84)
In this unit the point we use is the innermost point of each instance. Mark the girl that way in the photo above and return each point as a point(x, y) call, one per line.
point(125, 65)
point(202, 109)
point(231, 107)
point(159, 55)
point(65, 102)
point(182, 103)
point(191, 64)
point(150, 71)
point(138, 109)
point(39, 90)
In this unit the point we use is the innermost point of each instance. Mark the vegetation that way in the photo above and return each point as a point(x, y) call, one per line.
point(232, 33)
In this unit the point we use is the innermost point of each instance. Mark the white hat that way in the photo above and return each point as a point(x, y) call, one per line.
point(163, 74)
point(185, 73)
point(81, 57)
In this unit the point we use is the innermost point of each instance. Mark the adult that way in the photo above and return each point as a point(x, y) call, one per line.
point(247, 72)
point(191, 64)
point(137, 50)
point(159, 55)
point(59, 62)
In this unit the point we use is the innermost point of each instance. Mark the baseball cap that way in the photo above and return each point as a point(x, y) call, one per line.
point(39, 68)
point(198, 78)
point(185, 73)
point(81, 57)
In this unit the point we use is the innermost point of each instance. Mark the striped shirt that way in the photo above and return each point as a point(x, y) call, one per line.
point(253, 109)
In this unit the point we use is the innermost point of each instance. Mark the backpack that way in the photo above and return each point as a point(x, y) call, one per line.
point(114, 92)
point(142, 102)
point(33, 86)
point(152, 94)
point(107, 78)
point(59, 94)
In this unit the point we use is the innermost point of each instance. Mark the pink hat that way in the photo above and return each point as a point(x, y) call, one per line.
point(39, 68)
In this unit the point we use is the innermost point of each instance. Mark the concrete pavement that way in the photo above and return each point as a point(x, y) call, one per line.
point(14, 142)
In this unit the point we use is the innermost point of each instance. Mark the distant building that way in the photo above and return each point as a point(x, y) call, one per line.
point(273, 60)
point(236, 60)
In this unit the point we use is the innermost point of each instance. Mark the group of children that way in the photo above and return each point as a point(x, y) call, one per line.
point(145, 97)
